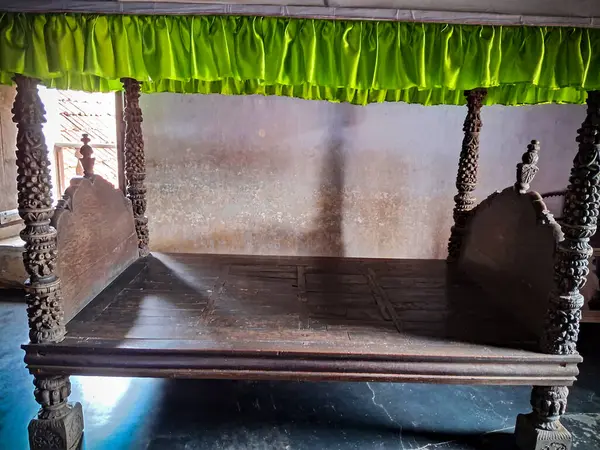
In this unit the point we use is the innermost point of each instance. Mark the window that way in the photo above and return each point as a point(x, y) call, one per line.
point(69, 115)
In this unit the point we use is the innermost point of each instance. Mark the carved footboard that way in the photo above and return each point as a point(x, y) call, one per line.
point(510, 249)
point(96, 239)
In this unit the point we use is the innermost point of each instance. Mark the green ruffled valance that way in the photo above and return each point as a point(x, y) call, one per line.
point(352, 61)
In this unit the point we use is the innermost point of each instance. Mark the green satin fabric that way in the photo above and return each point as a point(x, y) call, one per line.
point(351, 61)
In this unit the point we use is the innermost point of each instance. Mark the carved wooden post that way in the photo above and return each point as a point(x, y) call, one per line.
point(579, 218)
point(87, 162)
point(466, 179)
point(44, 306)
point(542, 428)
point(135, 164)
point(58, 424)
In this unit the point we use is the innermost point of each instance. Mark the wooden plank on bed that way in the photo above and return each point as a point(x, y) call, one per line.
point(223, 316)
point(172, 297)
point(96, 240)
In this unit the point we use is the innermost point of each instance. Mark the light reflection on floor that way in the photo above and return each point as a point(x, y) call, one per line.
point(114, 408)
point(103, 392)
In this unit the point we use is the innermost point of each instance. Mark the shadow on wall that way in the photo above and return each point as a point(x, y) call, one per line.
point(327, 237)
point(347, 187)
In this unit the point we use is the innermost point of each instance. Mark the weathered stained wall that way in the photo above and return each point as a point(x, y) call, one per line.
point(268, 175)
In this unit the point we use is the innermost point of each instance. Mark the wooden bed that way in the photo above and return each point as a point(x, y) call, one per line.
point(503, 309)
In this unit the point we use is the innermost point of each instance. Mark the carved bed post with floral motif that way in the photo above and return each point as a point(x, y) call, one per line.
point(135, 164)
point(542, 429)
point(58, 424)
point(466, 179)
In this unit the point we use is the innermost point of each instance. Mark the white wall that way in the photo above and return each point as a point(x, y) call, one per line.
point(273, 175)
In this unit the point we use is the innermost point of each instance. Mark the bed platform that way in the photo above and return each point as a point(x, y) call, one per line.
point(504, 308)
point(178, 315)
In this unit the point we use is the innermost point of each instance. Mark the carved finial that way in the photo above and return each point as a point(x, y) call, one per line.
point(86, 157)
point(527, 168)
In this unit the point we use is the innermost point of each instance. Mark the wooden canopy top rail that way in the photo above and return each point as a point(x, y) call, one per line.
point(558, 14)
point(504, 308)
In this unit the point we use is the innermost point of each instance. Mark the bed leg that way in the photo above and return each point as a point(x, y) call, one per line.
point(541, 429)
point(58, 425)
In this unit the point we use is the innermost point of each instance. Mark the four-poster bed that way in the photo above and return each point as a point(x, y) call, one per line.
point(503, 309)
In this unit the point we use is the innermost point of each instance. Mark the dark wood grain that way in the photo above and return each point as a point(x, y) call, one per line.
point(466, 178)
point(510, 253)
point(135, 162)
point(96, 239)
point(298, 318)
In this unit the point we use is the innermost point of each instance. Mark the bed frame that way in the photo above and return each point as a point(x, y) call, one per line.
point(503, 309)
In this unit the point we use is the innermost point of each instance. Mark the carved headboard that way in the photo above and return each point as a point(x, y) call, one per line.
point(509, 251)
point(96, 239)
point(510, 245)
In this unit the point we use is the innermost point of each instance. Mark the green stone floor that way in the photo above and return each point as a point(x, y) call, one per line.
point(158, 414)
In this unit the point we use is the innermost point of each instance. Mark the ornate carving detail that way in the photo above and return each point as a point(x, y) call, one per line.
point(75, 427)
point(135, 165)
point(541, 429)
point(44, 304)
point(580, 214)
point(52, 393)
point(549, 403)
point(61, 430)
point(87, 162)
point(466, 179)
point(527, 168)
point(554, 194)
point(530, 437)
point(47, 439)
point(45, 311)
